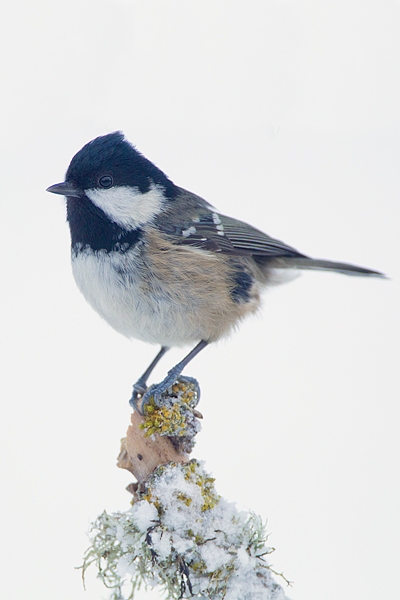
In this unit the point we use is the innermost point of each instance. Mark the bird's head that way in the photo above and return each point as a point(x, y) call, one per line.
point(110, 173)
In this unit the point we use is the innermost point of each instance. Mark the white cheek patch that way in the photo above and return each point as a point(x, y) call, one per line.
point(127, 206)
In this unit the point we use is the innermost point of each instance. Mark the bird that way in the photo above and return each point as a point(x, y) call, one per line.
point(161, 264)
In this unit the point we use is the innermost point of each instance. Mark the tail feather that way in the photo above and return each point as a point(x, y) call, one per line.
point(327, 265)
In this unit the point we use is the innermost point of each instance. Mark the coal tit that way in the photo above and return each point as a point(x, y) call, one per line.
point(159, 263)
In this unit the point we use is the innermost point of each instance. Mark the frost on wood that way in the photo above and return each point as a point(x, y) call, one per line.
point(182, 536)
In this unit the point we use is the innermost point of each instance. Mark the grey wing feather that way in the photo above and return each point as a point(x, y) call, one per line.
point(249, 240)
point(209, 230)
point(219, 233)
point(206, 228)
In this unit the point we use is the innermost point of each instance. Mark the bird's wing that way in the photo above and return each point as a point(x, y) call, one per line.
point(219, 233)
point(193, 221)
point(247, 239)
point(207, 229)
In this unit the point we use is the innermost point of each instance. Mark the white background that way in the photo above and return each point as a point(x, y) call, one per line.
point(285, 114)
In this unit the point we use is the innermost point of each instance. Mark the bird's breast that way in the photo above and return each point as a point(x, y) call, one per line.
point(170, 295)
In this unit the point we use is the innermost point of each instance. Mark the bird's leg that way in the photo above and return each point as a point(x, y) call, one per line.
point(158, 389)
point(140, 387)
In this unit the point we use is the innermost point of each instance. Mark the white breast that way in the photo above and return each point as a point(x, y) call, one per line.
point(125, 302)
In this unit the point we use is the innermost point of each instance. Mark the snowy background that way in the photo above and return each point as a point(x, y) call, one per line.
point(284, 114)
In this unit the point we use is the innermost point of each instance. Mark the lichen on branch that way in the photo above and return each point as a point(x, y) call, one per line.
point(184, 537)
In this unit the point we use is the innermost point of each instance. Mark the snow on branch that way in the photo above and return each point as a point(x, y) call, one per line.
point(179, 534)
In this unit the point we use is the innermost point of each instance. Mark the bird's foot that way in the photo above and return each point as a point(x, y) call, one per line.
point(143, 396)
point(157, 391)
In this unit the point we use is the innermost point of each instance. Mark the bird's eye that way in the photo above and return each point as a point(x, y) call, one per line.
point(106, 181)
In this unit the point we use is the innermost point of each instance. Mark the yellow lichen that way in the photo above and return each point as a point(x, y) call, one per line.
point(206, 484)
point(171, 417)
point(185, 499)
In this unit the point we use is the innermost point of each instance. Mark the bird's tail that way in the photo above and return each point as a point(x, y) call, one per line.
point(327, 265)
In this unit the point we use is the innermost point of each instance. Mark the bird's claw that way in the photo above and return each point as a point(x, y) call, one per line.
point(139, 390)
point(154, 394)
point(191, 380)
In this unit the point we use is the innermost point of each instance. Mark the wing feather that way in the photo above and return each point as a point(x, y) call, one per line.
point(200, 225)
point(207, 229)
point(219, 233)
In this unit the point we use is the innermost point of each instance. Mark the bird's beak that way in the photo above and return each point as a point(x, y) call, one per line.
point(66, 188)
